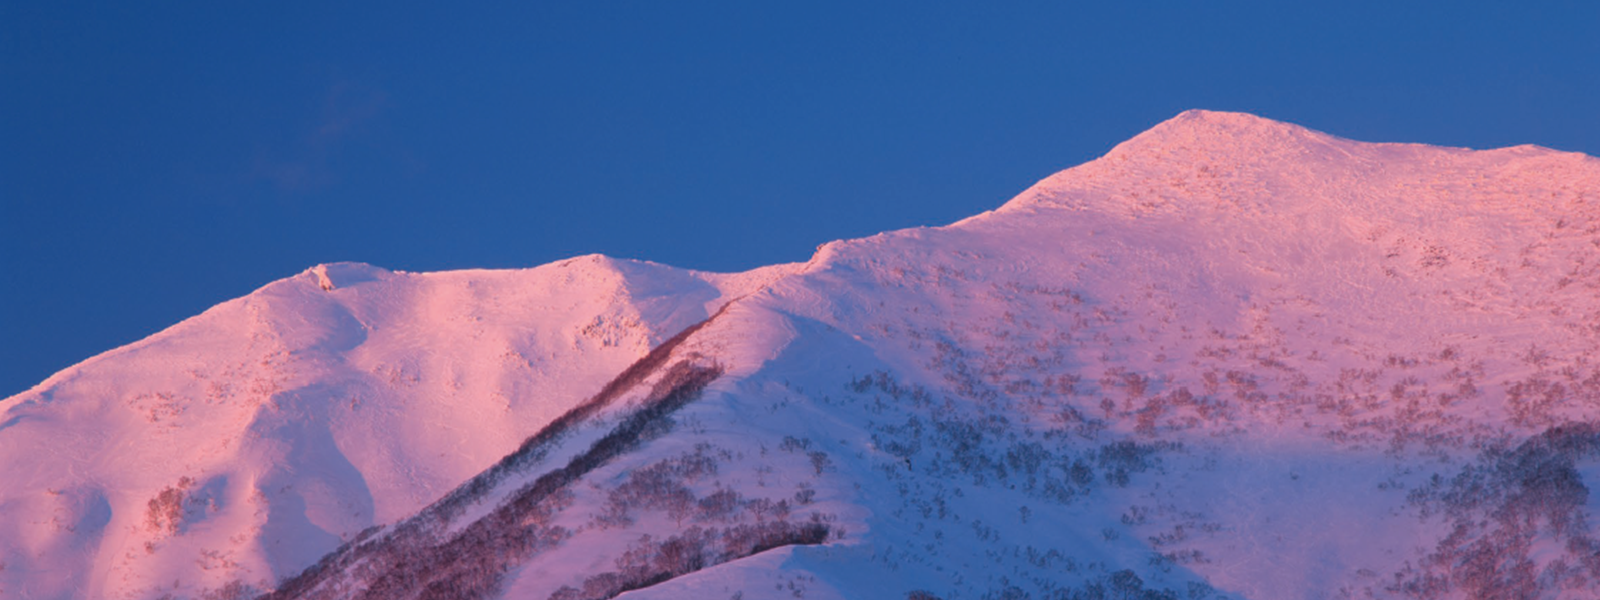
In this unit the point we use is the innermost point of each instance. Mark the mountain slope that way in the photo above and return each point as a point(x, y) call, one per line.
point(259, 434)
point(1232, 358)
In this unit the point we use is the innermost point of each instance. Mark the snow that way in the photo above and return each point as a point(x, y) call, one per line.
point(1232, 358)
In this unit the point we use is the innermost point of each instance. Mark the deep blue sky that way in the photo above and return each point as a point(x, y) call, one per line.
point(157, 158)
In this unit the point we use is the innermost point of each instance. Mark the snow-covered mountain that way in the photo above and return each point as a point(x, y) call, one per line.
point(1233, 358)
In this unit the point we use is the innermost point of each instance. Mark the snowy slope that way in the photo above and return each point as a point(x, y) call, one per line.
point(280, 423)
point(1232, 358)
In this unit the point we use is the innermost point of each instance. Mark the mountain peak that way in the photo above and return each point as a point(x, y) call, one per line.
point(1204, 153)
point(1202, 119)
point(1229, 133)
point(1230, 161)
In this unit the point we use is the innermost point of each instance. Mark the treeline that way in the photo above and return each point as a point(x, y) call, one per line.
point(649, 562)
point(423, 559)
point(1503, 507)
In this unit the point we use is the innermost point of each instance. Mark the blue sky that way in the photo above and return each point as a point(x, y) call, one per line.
point(159, 158)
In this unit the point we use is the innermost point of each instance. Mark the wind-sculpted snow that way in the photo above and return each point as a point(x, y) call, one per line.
point(1233, 358)
point(315, 408)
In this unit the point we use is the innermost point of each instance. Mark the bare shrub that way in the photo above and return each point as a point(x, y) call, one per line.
point(1497, 509)
point(1121, 459)
point(819, 460)
point(165, 511)
point(233, 590)
point(720, 505)
point(647, 561)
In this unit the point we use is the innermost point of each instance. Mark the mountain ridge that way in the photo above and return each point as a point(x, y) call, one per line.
point(1166, 371)
point(1200, 144)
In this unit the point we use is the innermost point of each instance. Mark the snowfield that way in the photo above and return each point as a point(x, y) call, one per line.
point(1233, 358)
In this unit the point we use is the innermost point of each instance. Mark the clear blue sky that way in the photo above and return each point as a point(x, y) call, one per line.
point(157, 158)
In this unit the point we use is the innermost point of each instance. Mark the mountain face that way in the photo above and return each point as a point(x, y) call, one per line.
point(1233, 358)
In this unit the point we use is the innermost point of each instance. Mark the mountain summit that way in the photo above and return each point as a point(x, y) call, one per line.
point(1233, 358)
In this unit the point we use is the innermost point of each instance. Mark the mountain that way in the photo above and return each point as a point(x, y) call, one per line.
point(1233, 358)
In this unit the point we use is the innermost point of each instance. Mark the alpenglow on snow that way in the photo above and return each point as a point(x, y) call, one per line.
point(1233, 358)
